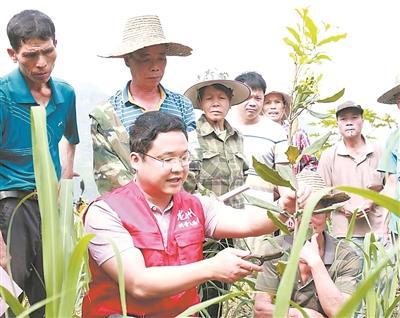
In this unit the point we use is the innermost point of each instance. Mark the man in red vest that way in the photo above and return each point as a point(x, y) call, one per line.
point(158, 230)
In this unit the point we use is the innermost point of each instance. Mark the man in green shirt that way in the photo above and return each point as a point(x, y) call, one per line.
point(389, 161)
point(329, 269)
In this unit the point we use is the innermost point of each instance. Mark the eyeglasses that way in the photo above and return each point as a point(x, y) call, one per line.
point(172, 161)
point(260, 259)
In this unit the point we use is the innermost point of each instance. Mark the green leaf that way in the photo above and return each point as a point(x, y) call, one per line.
point(11, 300)
point(70, 284)
point(198, 307)
point(292, 153)
point(295, 34)
point(315, 146)
point(318, 115)
point(333, 38)
point(387, 202)
point(66, 218)
point(294, 46)
point(320, 57)
point(278, 223)
point(262, 204)
point(280, 267)
point(286, 172)
point(47, 187)
point(312, 28)
point(365, 285)
point(352, 224)
point(299, 308)
point(389, 311)
point(332, 98)
point(270, 175)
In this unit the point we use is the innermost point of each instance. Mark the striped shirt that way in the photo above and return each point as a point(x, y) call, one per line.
point(173, 103)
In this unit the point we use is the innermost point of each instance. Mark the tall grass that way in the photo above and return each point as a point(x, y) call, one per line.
point(64, 256)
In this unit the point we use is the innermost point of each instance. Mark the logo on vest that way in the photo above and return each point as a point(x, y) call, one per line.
point(187, 219)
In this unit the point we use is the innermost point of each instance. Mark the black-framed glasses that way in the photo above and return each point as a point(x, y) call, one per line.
point(260, 259)
point(171, 161)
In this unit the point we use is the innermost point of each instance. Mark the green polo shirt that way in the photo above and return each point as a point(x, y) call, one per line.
point(16, 161)
point(340, 259)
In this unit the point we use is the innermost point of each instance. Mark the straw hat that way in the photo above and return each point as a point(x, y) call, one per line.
point(144, 31)
point(286, 97)
point(287, 101)
point(240, 91)
point(390, 97)
point(315, 181)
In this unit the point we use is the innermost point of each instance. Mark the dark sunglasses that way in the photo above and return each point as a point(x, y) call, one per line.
point(260, 259)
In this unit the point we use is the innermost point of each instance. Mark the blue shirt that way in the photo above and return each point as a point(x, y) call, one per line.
point(16, 161)
point(175, 104)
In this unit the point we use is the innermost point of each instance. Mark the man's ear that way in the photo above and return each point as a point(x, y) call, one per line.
point(55, 42)
point(126, 60)
point(135, 160)
point(12, 54)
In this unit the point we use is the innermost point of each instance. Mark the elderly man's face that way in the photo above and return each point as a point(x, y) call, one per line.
point(350, 123)
point(147, 65)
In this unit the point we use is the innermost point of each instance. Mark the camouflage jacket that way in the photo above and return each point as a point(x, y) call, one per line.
point(111, 153)
point(110, 140)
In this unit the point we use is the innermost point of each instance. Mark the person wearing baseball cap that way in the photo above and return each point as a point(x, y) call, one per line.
point(353, 162)
point(144, 50)
point(389, 162)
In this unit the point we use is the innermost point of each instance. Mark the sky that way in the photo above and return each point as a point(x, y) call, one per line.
point(227, 35)
point(231, 36)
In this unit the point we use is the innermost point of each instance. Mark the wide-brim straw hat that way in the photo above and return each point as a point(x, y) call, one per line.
point(240, 91)
point(315, 181)
point(390, 97)
point(144, 31)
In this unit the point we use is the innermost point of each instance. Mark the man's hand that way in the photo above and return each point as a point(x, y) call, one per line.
point(295, 313)
point(310, 253)
point(228, 265)
point(288, 198)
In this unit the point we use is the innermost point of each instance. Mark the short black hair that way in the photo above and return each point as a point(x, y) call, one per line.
point(29, 24)
point(252, 79)
point(228, 91)
point(147, 127)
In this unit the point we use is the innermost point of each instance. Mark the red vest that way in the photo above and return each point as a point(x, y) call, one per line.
point(185, 238)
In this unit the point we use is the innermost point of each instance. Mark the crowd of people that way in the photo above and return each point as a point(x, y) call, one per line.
point(165, 181)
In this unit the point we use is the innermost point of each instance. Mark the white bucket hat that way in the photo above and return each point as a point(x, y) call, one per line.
point(240, 91)
point(390, 97)
point(144, 31)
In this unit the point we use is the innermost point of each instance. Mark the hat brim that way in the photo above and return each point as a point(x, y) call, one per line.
point(173, 48)
point(241, 91)
point(331, 199)
point(390, 97)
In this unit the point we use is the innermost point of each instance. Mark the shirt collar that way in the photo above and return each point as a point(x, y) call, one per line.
point(205, 129)
point(342, 150)
point(330, 247)
point(128, 99)
point(21, 93)
point(154, 208)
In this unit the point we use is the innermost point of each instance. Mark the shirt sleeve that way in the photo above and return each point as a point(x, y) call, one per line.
point(388, 161)
point(71, 127)
point(349, 272)
point(102, 221)
point(189, 116)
